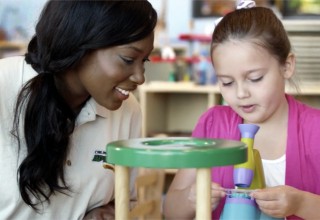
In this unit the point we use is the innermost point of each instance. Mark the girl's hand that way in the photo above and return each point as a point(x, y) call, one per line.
point(279, 201)
point(217, 192)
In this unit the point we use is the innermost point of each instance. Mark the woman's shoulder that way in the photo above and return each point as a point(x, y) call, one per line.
point(11, 63)
point(15, 69)
point(11, 76)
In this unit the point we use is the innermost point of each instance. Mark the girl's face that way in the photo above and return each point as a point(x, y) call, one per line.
point(109, 75)
point(251, 80)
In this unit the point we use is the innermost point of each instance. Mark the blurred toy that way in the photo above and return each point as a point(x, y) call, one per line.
point(247, 176)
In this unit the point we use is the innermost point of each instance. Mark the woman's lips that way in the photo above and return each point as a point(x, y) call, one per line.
point(122, 94)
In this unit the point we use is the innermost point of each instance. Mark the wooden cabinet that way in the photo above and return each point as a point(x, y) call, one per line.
point(174, 108)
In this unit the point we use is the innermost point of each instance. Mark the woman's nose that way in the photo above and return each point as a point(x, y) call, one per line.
point(138, 76)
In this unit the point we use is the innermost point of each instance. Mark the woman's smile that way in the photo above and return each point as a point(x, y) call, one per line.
point(122, 94)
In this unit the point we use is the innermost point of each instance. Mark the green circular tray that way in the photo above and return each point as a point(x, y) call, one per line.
point(176, 152)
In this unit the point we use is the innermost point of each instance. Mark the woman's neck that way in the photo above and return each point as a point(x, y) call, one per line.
point(71, 90)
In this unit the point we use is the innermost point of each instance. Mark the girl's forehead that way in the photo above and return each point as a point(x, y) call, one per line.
point(239, 50)
point(241, 57)
point(245, 42)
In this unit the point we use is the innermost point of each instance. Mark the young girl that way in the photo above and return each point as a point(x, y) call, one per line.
point(62, 103)
point(252, 56)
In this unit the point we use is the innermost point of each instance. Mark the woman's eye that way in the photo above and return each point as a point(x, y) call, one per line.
point(127, 60)
point(146, 60)
point(256, 79)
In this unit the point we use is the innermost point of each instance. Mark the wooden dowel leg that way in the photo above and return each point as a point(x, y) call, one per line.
point(203, 207)
point(122, 192)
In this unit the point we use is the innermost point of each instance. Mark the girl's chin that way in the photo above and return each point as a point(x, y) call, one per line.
point(250, 118)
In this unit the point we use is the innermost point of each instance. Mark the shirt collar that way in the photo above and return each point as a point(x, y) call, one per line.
point(90, 111)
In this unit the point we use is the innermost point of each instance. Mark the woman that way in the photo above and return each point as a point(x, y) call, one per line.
point(65, 100)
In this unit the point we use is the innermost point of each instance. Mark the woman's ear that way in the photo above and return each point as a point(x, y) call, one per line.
point(289, 66)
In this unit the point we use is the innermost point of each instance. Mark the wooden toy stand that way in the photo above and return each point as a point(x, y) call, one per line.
point(176, 153)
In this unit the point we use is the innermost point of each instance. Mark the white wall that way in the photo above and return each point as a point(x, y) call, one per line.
point(22, 15)
point(18, 17)
point(179, 16)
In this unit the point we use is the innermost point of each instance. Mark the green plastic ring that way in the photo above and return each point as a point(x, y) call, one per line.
point(176, 152)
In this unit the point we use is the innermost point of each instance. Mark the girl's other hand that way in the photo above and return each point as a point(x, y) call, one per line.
point(217, 192)
point(279, 201)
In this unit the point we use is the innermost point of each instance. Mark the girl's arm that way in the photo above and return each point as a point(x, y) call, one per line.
point(309, 206)
point(283, 201)
point(180, 199)
point(180, 202)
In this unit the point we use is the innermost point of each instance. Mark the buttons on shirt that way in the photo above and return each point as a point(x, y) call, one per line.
point(69, 162)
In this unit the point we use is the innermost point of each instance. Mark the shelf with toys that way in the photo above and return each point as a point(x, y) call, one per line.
point(189, 62)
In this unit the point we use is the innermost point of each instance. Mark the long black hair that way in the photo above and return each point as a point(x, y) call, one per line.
point(65, 33)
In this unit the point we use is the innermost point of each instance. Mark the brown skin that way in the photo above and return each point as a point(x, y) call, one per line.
point(102, 71)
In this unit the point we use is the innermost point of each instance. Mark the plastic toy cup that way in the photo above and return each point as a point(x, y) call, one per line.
point(240, 205)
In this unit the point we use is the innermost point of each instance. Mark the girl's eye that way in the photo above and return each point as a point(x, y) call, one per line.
point(226, 83)
point(256, 79)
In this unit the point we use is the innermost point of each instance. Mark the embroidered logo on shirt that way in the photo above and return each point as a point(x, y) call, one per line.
point(100, 156)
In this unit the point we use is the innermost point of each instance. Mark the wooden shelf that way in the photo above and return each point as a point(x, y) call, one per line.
point(8, 48)
point(170, 107)
point(9, 45)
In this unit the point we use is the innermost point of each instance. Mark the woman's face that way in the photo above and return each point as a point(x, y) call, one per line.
point(251, 80)
point(109, 75)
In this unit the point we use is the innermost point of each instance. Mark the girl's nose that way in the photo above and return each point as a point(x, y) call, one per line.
point(242, 92)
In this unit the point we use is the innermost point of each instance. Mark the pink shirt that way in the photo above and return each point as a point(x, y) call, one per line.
point(302, 152)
